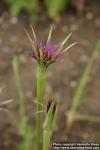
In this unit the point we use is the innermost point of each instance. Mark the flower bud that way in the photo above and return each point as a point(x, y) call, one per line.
point(51, 114)
point(49, 123)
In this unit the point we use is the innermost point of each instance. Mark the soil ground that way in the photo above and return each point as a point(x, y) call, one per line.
point(62, 79)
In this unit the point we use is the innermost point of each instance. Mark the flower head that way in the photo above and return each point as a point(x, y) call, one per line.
point(47, 54)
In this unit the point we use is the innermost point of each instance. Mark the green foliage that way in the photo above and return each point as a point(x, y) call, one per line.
point(23, 126)
point(26, 133)
point(84, 79)
point(55, 6)
point(73, 115)
point(16, 6)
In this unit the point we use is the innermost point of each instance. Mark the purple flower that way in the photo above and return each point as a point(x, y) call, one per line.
point(47, 54)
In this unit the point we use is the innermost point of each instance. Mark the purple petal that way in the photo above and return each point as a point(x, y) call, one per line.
point(57, 46)
point(31, 54)
point(48, 43)
point(47, 46)
point(37, 45)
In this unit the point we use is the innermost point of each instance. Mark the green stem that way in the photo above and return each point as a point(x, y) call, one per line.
point(40, 87)
point(46, 139)
point(77, 99)
point(84, 117)
point(15, 65)
point(75, 116)
point(84, 79)
point(23, 127)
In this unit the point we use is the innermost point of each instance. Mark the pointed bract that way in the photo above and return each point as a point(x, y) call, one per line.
point(70, 46)
point(33, 32)
point(32, 42)
point(66, 39)
point(49, 36)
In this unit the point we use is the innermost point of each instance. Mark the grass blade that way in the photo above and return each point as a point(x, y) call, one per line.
point(23, 126)
point(77, 99)
point(84, 79)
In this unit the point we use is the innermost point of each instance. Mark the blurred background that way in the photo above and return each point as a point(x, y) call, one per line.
point(82, 18)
